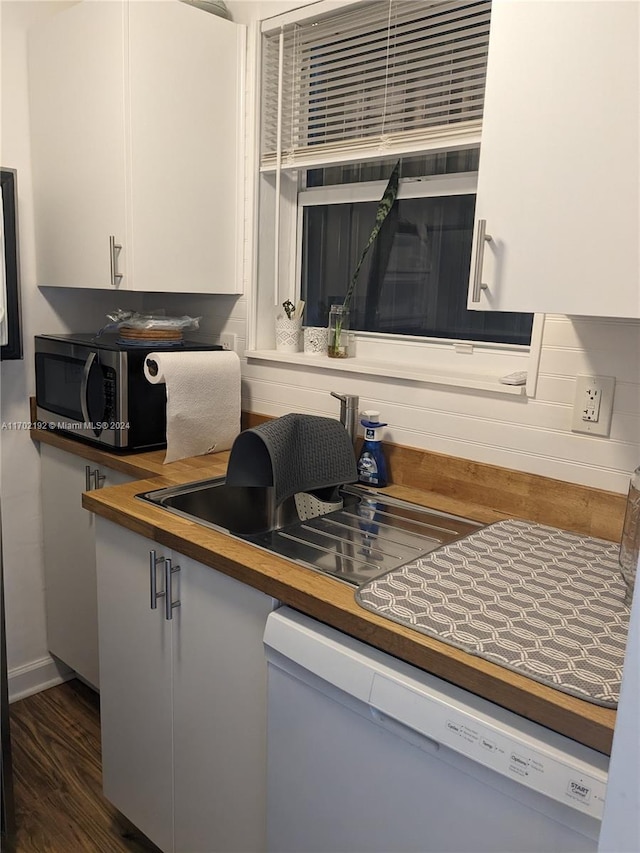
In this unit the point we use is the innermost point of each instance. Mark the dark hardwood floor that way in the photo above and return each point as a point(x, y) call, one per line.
point(55, 740)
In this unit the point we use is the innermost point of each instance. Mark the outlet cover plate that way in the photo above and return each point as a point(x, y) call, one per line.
point(228, 341)
point(593, 399)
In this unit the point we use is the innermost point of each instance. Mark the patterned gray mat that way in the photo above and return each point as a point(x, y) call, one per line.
point(543, 602)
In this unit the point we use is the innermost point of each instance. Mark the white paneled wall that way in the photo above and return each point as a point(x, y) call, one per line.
point(531, 435)
point(217, 314)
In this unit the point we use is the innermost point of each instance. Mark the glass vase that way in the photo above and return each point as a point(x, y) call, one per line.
point(338, 332)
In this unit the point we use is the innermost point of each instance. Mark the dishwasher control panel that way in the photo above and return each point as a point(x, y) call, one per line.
point(514, 754)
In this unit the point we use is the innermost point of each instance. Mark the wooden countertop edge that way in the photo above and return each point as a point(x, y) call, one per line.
point(333, 603)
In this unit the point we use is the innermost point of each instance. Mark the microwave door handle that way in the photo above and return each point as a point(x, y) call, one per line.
point(84, 385)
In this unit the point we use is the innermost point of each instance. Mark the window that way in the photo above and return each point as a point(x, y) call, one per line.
point(414, 280)
point(344, 96)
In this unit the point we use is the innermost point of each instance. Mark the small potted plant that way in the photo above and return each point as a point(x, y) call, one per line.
point(339, 314)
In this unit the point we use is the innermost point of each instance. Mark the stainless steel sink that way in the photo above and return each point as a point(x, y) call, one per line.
point(369, 535)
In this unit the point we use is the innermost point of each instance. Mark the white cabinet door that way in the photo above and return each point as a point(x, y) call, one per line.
point(76, 82)
point(558, 180)
point(70, 559)
point(183, 701)
point(220, 713)
point(186, 148)
point(137, 125)
point(135, 684)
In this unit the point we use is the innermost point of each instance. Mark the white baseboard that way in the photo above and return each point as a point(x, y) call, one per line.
point(38, 675)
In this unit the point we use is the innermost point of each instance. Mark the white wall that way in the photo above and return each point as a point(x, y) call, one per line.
point(529, 435)
point(51, 311)
point(621, 819)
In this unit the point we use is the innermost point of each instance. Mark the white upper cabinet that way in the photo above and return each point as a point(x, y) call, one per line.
point(76, 88)
point(187, 148)
point(559, 181)
point(137, 142)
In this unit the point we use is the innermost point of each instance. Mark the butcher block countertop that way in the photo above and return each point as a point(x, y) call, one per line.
point(507, 494)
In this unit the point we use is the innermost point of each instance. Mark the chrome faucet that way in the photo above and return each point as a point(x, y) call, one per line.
point(348, 413)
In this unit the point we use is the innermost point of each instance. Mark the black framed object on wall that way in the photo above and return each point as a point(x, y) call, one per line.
point(10, 326)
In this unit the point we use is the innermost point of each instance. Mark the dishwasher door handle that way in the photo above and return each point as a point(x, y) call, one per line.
point(407, 711)
point(405, 732)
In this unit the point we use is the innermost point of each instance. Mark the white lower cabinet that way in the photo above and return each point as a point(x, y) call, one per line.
point(183, 700)
point(70, 557)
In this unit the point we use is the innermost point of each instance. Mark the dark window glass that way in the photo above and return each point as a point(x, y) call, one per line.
point(415, 278)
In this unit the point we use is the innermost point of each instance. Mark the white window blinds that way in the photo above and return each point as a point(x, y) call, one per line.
point(381, 78)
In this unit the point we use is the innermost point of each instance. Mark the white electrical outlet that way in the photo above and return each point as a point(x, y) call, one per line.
point(593, 404)
point(228, 341)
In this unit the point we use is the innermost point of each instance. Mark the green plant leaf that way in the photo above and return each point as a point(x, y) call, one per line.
point(384, 206)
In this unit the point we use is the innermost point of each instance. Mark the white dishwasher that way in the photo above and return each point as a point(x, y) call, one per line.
point(367, 753)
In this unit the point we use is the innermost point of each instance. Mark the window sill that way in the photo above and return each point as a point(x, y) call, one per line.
point(459, 379)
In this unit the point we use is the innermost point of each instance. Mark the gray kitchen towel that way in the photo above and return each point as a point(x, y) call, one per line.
point(294, 453)
point(544, 602)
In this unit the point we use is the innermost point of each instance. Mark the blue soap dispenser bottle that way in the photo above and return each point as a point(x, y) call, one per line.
point(372, 466)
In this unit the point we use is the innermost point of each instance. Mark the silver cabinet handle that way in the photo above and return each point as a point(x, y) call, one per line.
point(153, 563)
point(93, 479)
point(481, 238)
point(168, 604)
point(114, 251)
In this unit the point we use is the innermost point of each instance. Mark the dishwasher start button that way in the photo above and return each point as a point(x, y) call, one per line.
point(579, 791)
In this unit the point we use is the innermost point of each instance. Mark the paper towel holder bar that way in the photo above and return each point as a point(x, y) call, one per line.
point(152, 366)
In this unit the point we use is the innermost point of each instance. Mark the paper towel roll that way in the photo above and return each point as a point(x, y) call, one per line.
point(203, 399)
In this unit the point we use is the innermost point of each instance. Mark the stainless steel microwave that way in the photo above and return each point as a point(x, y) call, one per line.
point(94, 389)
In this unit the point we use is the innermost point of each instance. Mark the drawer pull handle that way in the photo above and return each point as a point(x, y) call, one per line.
point(93, 479)
point(114, 251)
point(169, 570)
point(481, 239)
point(153, 564)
